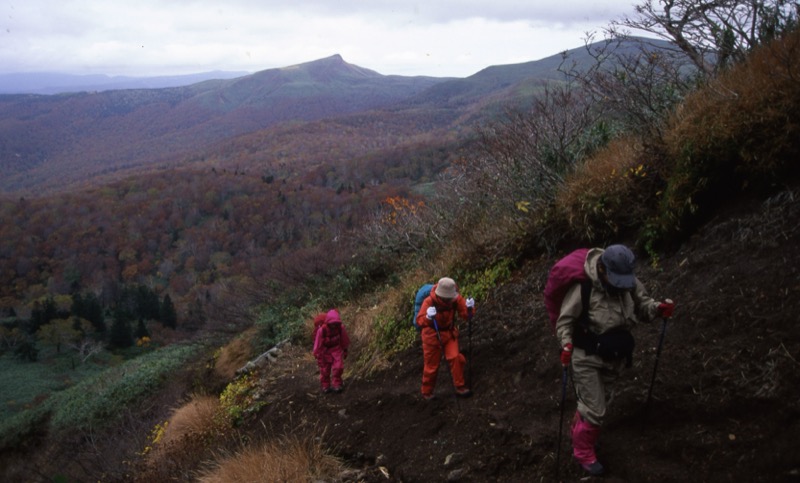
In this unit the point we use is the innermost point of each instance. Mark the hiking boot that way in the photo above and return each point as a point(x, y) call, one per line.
point(427, 396)
point(463, 392)
point(327, 390)
point(338, 389)
point(594, 468)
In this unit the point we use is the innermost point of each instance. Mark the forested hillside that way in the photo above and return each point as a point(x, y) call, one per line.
point(198, 215)
point(55, 142)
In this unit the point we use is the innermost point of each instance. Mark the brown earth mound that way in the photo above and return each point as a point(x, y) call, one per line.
point(725, 400)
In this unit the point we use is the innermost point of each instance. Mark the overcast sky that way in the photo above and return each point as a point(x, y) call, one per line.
point(442, 38)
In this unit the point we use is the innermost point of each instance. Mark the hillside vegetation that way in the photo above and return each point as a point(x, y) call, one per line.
point(705, 191)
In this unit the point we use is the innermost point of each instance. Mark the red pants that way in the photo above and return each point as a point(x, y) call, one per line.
point(331, 366)
point(432, 354)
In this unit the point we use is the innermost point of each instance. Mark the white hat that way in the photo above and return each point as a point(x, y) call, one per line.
point(446, 288)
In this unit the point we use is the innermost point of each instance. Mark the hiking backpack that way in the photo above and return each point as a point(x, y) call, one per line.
point(422, 294)
point(331, 334)
point(565, 273)
point(319, 321)
point(613, 344)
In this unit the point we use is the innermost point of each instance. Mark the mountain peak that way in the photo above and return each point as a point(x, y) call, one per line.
point(336, 65)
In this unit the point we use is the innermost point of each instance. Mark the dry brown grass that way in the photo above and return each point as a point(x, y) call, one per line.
point(181, 441)
point(197, 417)
point(289, 459)
point(750, 113)
point(379, 324)
point(234, 355)
point(361, 320)
point(608, 193)
point(740, 132)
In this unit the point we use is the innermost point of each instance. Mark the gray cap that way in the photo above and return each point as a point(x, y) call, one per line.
point(619, 261)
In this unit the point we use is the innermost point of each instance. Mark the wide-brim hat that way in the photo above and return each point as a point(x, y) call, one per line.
point(446, 288)
point(620, 263)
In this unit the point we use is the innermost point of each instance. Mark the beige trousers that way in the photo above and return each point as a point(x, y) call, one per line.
point(593, 378)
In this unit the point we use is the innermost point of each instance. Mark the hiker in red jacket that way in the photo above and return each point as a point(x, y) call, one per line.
point(330, 349)
point(596, 339)
point(439, 334)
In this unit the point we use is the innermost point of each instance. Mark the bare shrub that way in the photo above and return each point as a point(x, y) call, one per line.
point(399, 226)
point(712, 33)
point(289, 459)
point(524, 156)
point(642, 80)
point(637, 82)
point(230, 307)
point(490, 197)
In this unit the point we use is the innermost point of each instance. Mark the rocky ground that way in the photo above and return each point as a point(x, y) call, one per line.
point(725, 400)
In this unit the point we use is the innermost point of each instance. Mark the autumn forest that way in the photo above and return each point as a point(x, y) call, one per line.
point(95, 207)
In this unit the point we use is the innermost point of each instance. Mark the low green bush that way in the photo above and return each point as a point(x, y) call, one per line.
point(477, 284)
point(100, 398)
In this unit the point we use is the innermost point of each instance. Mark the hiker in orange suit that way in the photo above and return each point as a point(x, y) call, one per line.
point(439, 334)
point(330, 349)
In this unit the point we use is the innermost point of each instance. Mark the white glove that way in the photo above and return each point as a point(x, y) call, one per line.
point(470, 303)
point(431, 313)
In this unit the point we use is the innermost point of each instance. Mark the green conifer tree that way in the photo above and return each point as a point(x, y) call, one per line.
point(120, 335)
point(141, 329)
point(169, 318)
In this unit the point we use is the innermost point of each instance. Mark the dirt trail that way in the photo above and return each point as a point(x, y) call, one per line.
point(726, 400)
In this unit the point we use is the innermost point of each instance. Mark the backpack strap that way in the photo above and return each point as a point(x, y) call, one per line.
point(586, 294)
point(611, 345)
point(582, 337)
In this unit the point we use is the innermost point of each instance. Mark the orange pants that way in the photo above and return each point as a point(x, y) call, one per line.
point(432, 354)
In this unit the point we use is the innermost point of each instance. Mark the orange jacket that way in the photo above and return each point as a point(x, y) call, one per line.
point(445, 311)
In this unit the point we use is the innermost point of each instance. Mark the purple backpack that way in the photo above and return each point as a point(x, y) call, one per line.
point(565, 273)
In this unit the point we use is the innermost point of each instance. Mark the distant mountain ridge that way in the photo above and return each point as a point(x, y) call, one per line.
point(50, 142)
point(53, 142)
point(328, 86)
point(57, 83)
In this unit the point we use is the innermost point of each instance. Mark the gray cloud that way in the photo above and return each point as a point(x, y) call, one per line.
point(151, 37)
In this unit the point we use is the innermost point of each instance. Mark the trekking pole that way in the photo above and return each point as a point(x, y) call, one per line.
point(469, 346)
point(655, 368)
point(438, 336)
point(561, 419)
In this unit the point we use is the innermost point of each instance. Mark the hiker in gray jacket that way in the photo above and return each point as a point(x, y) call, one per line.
point(598, 342)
